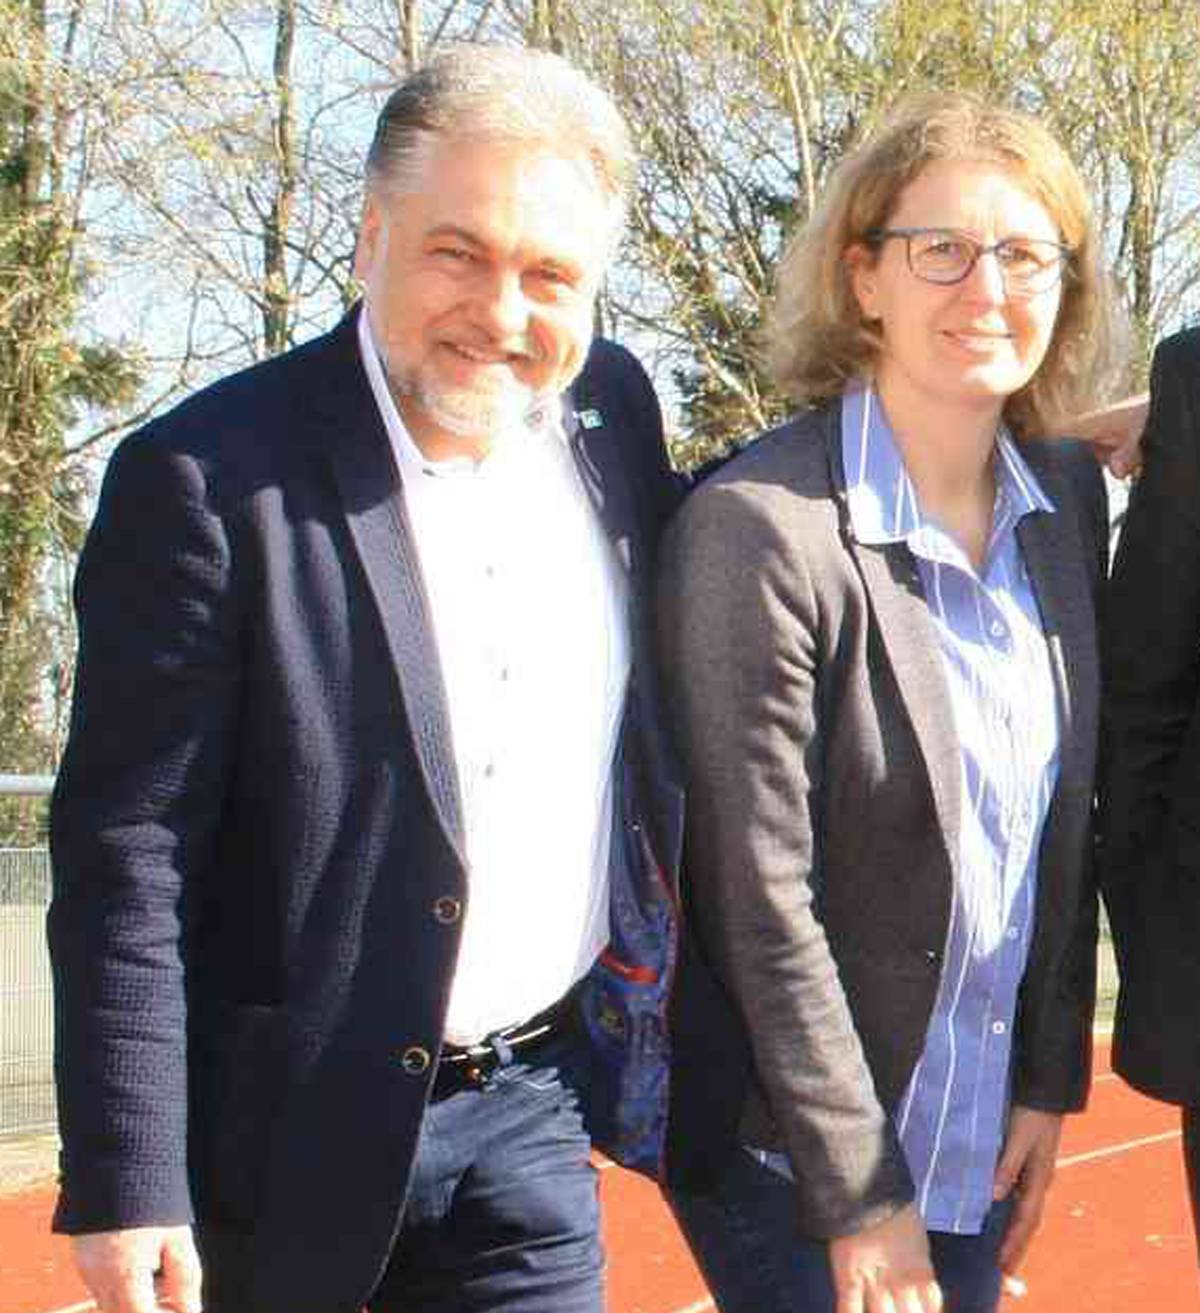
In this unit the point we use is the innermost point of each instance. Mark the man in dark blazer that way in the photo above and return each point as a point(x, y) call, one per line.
point(1151, 775)
point(365, 836)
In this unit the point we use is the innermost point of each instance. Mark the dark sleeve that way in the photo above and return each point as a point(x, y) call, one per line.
point(667, 484)
point(1092, 493)
point(1152, 632)
point(617, 376)
point(739, 624)
point(133, 817)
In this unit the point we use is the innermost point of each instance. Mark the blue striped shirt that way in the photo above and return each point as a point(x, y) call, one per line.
point(989, 633)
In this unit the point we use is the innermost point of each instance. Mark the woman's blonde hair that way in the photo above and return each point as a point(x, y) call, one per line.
point(817, 340)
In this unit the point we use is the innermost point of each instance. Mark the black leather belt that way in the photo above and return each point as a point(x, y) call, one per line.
point(470, 1066)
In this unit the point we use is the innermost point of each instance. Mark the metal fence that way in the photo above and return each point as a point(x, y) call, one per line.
point(26, 1009)
point(26, 1013)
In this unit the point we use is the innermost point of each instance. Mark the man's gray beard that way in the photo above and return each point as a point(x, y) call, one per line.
point(467, 414)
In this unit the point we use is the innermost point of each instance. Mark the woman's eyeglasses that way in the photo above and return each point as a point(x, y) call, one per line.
point(1027, 265)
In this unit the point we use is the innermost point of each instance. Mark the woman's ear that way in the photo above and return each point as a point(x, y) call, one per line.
point(860, 267)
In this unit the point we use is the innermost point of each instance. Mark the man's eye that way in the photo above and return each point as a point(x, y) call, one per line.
point(455, 253)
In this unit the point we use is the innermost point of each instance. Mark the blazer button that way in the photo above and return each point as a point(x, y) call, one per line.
point(415, 1060)
point(447, 910)
point(932, 957)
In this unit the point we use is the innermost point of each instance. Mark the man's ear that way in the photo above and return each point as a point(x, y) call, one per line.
point(369, 231)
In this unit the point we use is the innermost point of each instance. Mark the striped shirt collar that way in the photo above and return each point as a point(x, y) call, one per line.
point(882, 500)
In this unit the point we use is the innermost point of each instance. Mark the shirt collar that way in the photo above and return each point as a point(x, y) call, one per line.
point(409, 457)
point(882, 500)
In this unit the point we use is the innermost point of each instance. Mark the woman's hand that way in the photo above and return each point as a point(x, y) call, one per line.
point(1025, 1169)
point(886, 1268)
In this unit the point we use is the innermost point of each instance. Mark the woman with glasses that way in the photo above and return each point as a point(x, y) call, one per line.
point(879, 634)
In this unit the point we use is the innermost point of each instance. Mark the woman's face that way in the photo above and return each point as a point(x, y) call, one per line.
point(973, 342)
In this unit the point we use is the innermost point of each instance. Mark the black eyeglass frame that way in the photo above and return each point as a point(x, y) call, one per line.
point(877, 236)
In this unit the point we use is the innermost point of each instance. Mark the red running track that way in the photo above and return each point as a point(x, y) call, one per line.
point(1116, 1237)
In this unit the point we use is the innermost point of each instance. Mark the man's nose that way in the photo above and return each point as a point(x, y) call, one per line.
point(504, 305)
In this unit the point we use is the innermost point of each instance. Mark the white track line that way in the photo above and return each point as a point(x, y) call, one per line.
point(698, 1307)
point(1113, 1149)
point(78, 1308)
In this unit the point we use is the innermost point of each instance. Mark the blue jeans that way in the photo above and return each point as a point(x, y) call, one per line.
point(742, 1231)
point(503, 1213)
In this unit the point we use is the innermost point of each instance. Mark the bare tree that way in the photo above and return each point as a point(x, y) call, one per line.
point(1120, 79)
point(190, 171)
point(46, 372)
point(276, 222)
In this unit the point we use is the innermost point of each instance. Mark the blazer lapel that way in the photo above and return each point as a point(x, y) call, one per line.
point(1057, 563)
point(598, 458)
point(356, 445)
point(1056, 566)
point(905, 629)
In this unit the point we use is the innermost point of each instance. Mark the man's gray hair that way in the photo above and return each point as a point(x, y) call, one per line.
point(509, 94)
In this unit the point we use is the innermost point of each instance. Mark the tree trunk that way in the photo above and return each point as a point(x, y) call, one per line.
point(546, 25)
point(35, 289)
point(410, 32)
point(277, 300)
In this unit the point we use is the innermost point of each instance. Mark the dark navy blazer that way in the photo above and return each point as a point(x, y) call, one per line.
point(257, 815)
point(1150, 812)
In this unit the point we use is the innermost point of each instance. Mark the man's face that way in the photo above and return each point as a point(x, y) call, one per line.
point(480, 283)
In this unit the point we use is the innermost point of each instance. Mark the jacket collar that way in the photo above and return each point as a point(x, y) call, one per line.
point(882, 500)
point(1056, 559)
point(353, 438)
point(348, 430)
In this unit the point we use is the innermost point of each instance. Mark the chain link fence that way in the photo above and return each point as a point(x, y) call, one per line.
point(26, 1008)
point(26, 1011)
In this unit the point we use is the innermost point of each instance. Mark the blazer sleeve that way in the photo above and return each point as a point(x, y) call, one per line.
point(133, 818)
point(739, 622)
point(623, 382)
point(1152, 627)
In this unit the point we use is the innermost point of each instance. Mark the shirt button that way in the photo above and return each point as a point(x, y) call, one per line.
point(998, 1027)
point(415, 1060)
point(447, 910)
point(996, 629)
point(489, 770)
point(1012, 932)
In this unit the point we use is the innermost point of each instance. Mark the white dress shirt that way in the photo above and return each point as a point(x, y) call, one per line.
point(529, 611)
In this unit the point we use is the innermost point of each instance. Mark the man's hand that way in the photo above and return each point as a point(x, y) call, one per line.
point(1026, 1168)
point(141, 1269)
point(886, 1268)
point(1115, 433)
